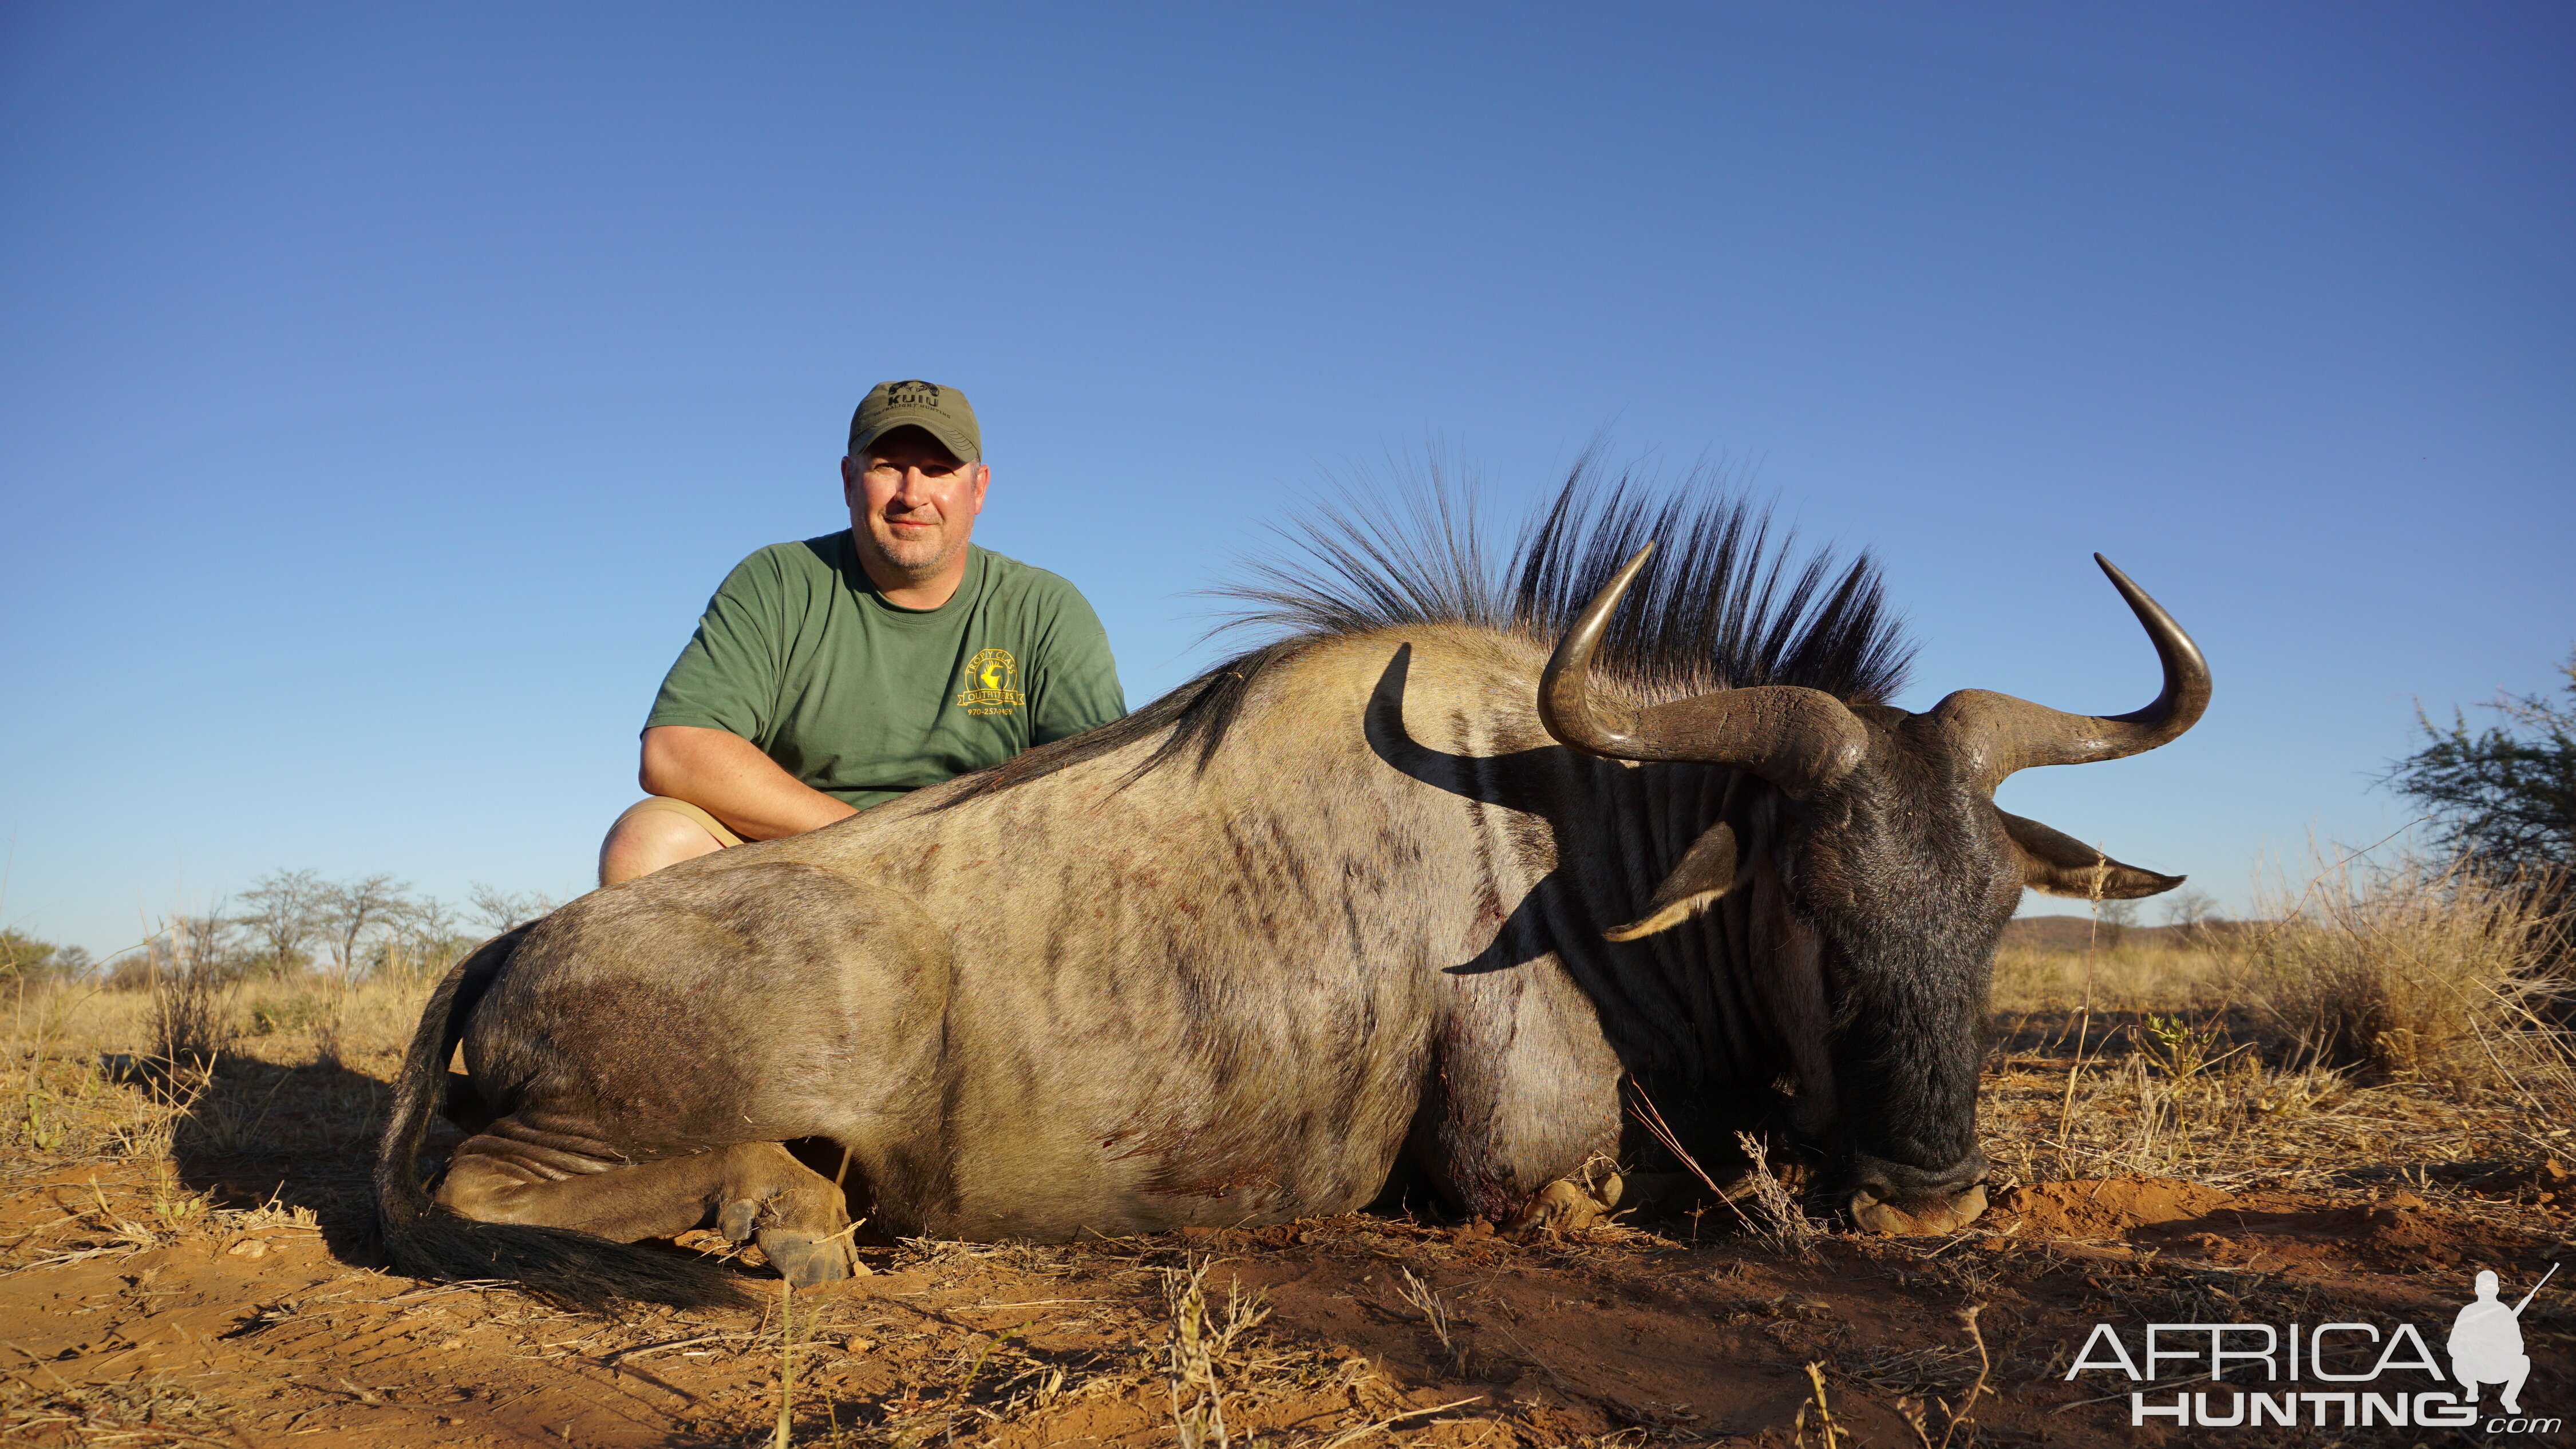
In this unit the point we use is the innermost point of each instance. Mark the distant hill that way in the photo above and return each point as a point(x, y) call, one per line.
point(2073, 933)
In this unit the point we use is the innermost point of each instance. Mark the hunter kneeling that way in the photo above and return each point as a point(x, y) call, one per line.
point(836, 673)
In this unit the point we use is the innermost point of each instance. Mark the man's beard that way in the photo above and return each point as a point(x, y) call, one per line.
point(919, 558)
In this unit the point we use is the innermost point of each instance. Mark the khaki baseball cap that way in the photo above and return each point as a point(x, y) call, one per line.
point(943, 412)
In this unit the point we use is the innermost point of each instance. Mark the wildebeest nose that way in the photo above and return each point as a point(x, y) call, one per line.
point(1903, 1182)
point(1894, 1197)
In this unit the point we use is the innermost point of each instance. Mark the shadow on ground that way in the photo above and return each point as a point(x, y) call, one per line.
point(299, 1136)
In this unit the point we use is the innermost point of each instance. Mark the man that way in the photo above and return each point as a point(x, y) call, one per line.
point(837, 673)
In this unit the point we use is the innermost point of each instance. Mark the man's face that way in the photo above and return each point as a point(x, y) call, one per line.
point(912, 504)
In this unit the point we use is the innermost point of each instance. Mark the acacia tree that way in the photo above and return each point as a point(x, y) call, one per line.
point(350, 911)
point(498, 910)
point(2505, 795)
point(285, 912)
point(423, 938)
point(24, 958)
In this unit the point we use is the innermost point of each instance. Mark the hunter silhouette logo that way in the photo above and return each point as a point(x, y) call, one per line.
point(992, 677)
point(2486, 1342)
point(2364, 1378)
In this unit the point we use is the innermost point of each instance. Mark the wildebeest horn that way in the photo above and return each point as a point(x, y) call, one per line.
point(1795, 738)
point(2001, 734)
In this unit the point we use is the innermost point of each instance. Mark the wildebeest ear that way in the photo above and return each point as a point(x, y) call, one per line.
point(2058, 864)
point(1707, 871)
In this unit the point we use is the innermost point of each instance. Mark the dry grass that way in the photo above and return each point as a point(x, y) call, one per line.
point(2411, 973)
point(1776, 1220)
point(1202, 1350)
point(2138, 975)
point(2383, 1021)
point(190, 994)
point(1829, 1434)
point(111, 1092)
point(1422, 1298)
point(153, 1076)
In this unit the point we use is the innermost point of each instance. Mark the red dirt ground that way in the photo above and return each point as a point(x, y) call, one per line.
point(290, 1334)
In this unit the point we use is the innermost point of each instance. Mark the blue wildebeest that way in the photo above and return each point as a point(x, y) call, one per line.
point(1401, 894)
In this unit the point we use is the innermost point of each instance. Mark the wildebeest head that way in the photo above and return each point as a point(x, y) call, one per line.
point(1897, 869)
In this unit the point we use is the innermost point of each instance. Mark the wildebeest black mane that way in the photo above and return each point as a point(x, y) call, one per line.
point(1718, 608)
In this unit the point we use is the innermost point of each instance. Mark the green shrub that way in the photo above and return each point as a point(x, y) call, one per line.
point(24, 958)
point(2505, 795)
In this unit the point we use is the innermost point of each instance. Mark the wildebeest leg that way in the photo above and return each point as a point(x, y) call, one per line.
point(747, 1190)
point(461, 1104)
point(1523, 1113)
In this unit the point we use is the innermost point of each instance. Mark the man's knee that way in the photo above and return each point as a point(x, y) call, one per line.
point(647, 838)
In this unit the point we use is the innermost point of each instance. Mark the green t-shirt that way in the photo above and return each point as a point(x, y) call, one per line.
point(865, 700)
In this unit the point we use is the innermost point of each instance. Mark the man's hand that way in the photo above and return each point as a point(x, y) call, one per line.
point(729, 778)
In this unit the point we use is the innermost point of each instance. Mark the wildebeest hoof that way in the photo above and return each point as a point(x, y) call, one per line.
point(734, 1219)
point(1792, 1174)
point(805, 1260)
point(1925, 1220)
point(1567, 1206)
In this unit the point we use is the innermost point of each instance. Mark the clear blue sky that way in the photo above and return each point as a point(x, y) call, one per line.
point(383, 389)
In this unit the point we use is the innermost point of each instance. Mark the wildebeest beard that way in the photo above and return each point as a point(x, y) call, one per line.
point(1444, 883)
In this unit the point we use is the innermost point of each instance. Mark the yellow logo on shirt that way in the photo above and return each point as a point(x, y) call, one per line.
point(990, 676)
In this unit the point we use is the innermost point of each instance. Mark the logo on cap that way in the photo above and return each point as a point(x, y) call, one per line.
point(912, 394)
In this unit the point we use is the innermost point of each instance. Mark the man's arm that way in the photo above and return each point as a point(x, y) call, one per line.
point(728, 777)
point(1074, 684)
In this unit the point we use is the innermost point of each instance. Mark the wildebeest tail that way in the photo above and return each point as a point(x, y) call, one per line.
point(573, 1269)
